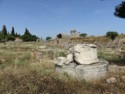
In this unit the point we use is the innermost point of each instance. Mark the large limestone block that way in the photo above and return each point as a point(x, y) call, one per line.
point(85, 54)
point(87, 72)
point(92, 72)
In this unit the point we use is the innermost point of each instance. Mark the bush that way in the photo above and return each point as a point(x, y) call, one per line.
point(34, 38)
point(1, 36)
point(112, 35)
point(10, 38)
point(48, 38)
point(26, 38)
point(83, 35)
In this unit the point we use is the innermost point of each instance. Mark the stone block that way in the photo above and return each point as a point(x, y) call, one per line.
point(85, 54)
point(86, 72)
point(92, 72)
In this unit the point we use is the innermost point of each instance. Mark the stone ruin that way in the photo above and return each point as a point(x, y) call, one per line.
point(82, 63)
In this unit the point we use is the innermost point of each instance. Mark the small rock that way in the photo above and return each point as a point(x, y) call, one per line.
point(60, 61)
point(111, 80)
point(42, 47)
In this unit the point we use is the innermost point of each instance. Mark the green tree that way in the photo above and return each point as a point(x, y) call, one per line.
point(27, 36)
point(112, 35)
point(34, 38)
point(48, 38)
point(13, 31)
point(120, 10)
point(1, 36)
point(27, 32)
point(17, 35)
point(10, 37)
point(83, 35)
point(4, 31)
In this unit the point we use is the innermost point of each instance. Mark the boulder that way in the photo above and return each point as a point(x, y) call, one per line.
point(85, 54)
point(92, 72)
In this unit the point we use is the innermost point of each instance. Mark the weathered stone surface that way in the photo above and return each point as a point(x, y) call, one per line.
point(85, 53)
point(69, 69)
point(87, 72)
point(92, 72)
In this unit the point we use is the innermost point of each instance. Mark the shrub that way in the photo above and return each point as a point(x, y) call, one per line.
point(112, 35)
point(10, 38)
point(48, 38)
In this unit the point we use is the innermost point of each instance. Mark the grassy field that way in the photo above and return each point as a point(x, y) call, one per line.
point(22, 73)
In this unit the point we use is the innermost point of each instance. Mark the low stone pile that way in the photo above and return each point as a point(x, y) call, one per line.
point(82, 63)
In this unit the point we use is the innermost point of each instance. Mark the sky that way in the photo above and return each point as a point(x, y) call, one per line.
point(51, 17)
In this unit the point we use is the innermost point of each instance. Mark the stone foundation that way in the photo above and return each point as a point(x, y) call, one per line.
point(82, 63)
point(87, 72)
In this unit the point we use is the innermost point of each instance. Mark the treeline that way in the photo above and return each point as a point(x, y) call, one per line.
point(12, 35)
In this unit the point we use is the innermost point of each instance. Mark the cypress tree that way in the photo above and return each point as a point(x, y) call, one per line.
point(27, 32)
point(13, 31)
point(4, 31)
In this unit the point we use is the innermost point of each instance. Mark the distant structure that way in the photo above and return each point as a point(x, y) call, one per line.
point(65, 38)
point(74, 34)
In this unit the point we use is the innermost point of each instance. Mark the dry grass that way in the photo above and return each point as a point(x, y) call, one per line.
point(21, 74)
point(33, 81)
